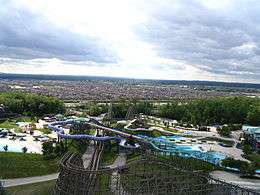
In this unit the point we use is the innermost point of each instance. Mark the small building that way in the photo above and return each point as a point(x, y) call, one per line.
point(26, 127)
point(253, 133)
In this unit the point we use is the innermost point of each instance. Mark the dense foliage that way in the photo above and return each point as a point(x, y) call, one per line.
point(253, 116)
point(219, 110)
point(227, 129)
point(144, 107)
point(30, 104)
point(246, 169)
point(94, 108)
point(50, 151)
point(119, 110)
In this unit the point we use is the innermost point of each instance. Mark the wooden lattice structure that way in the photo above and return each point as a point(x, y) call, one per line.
point(2, 192)
point(147, 175)
point(131, 113)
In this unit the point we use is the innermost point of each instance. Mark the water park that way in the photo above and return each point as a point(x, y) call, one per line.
point(133, 139)
point(166, 145)
point(142, 146)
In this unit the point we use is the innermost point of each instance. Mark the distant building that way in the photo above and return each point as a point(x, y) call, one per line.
point(254, 135)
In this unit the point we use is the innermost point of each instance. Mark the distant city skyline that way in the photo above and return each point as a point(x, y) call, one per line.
point(215, 40)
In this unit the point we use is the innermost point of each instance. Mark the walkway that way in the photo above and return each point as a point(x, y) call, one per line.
point(115, 184)
point(88, 155)
point(29, 180)
point(120, 161)
point(233, 178)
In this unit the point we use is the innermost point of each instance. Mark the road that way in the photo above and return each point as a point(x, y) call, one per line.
point(29, 180)
point(233, 178)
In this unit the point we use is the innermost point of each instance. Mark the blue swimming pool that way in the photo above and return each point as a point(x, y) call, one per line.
point(16, 146)
point(166, 146)
point(11, 147)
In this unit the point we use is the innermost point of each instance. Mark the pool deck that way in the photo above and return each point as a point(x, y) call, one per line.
point(16, 145)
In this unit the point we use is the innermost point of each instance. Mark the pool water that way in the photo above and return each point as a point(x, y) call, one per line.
point(164, 145)
point(16, 146)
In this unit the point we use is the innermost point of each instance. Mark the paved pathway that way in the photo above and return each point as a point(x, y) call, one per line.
point(87, 156)
point(120, 161)
point(233, 178)
point(29, 180)
point(115, 184)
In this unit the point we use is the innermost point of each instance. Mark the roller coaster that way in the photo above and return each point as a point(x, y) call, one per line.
point(148, 175)
point(165, 178)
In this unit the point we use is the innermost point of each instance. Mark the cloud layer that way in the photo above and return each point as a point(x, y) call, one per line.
point(180, 39)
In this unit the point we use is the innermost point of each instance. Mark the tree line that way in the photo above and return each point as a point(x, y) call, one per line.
point(30, 104)
point(219, 110)
point(210, 111)
point(119, 109)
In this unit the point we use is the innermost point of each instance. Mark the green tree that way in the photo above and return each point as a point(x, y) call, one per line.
point(30, 104)
point(247, 169)
point(253, 116)
point(217, 110)
point(47, 149)
point(224, 131)
point(5, 148)
point(144, 107)
point(247, 149)
point(95, 110)
point(24, 149)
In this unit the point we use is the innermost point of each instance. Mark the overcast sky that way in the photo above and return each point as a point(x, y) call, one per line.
point(157, 39)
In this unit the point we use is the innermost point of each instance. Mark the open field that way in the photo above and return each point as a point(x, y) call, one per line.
point(42, 188)
point(15, 165)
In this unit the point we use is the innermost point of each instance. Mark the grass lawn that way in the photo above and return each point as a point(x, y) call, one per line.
point(92, 132)
point(108, 157)
point(15, 165)
point(45, 130)
point(11, 123)
point(172, 130)
point(41, 188)
point(133, 156)
point(8, 124)
point(254, 158)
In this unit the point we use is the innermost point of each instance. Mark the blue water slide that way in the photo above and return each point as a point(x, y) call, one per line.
point(55, 127)
point(60, 132)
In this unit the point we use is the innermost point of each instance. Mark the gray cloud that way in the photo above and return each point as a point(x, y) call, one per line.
point(223, 42)
point(28, 35)
point(219, 41)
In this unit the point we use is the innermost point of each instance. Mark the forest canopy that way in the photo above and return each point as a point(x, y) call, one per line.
point(219, 110)
point(30, 104)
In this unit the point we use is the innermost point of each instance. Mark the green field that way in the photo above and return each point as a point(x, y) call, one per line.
point(41, 188)
point(8, 124)
point(255, 158)
point(15, 165)
point(11, 123)
point(109, 156)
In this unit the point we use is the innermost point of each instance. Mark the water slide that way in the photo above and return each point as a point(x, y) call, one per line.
point(211, 157)
point(56, 126)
